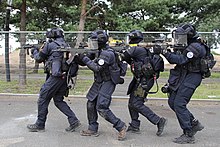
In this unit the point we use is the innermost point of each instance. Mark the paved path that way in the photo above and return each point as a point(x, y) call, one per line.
point(18, 111)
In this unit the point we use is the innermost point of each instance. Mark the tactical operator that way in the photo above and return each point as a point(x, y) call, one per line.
point(143, 80)
point(100, 94)
point(56, 85)
point(184, 78)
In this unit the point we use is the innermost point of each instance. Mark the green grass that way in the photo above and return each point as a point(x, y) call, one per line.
point(205, 90)
point(33, 87)
point(81, 87)
point(86, 72)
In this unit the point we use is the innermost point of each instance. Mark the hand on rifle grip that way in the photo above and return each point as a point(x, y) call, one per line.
point(157, 49)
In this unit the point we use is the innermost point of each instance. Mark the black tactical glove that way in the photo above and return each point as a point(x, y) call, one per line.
point(81, 56)
point(91, 56)
point(157, 49)
point(78, 59)
point(34, 49)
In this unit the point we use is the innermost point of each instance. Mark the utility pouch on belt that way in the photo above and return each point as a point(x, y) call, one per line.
point(140, 92)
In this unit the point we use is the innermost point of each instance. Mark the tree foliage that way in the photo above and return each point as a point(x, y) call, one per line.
point(119, 15)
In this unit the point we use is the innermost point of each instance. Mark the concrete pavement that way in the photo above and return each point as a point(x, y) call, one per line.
point(17, 111)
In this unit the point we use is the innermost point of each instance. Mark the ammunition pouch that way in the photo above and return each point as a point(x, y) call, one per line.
point(194, 66)
point(48, 67)
point(56, 67)
point(147, 68)
point(140, 92)
point(136, 69)
point(64, 66)
point(205, 70)
point(140, 69)
point(200, 65)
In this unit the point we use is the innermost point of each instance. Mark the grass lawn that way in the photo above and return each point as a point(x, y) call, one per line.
point(204, 91)
point(207, 90)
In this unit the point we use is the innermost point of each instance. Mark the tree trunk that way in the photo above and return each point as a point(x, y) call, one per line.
point(36, 67)
point(22, 64)
point(81, 23)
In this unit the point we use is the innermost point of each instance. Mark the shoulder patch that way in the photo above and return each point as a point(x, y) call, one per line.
point(189, 55)
point(101, 62)
point(194, 48)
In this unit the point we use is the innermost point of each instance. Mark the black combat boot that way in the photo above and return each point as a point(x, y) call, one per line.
point(160, 125)
point(186, 138)
point(196, 126)
point(35, 128)
point(122, 133)
point(133, 129)
point(73, 127)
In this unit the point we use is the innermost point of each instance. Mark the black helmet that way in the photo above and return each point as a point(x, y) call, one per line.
point(187, 29)
point(55, 33)
point(100, 35)
point(135, 36)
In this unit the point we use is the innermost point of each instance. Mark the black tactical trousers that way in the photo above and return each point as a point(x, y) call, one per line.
point(54, 87)
point(136, 105)
point(100, 104)
point(179, 99)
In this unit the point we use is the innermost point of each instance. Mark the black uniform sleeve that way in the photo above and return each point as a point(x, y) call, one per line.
point(42, 55)
point(174, 58)
point(126, 57)
point(93, 65)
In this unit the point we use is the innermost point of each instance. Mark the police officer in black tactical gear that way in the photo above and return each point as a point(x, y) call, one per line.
point(184, 78)
point(55, 85)
point(143, 80)
point(100, 94)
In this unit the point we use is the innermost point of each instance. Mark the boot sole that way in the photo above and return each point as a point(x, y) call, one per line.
point(86, 134)
point(121, 139)
point(188, 142)
point(36, 130)
point(74, 129)
point(134, 132)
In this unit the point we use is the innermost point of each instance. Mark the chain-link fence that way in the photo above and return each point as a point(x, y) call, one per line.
point(85, 78)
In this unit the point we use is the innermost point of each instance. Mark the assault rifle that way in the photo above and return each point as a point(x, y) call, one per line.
point(83, 49)
point(157, 42)
point(120, 48)
point(75, 51)
point(28, 47)
point(164, 45)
